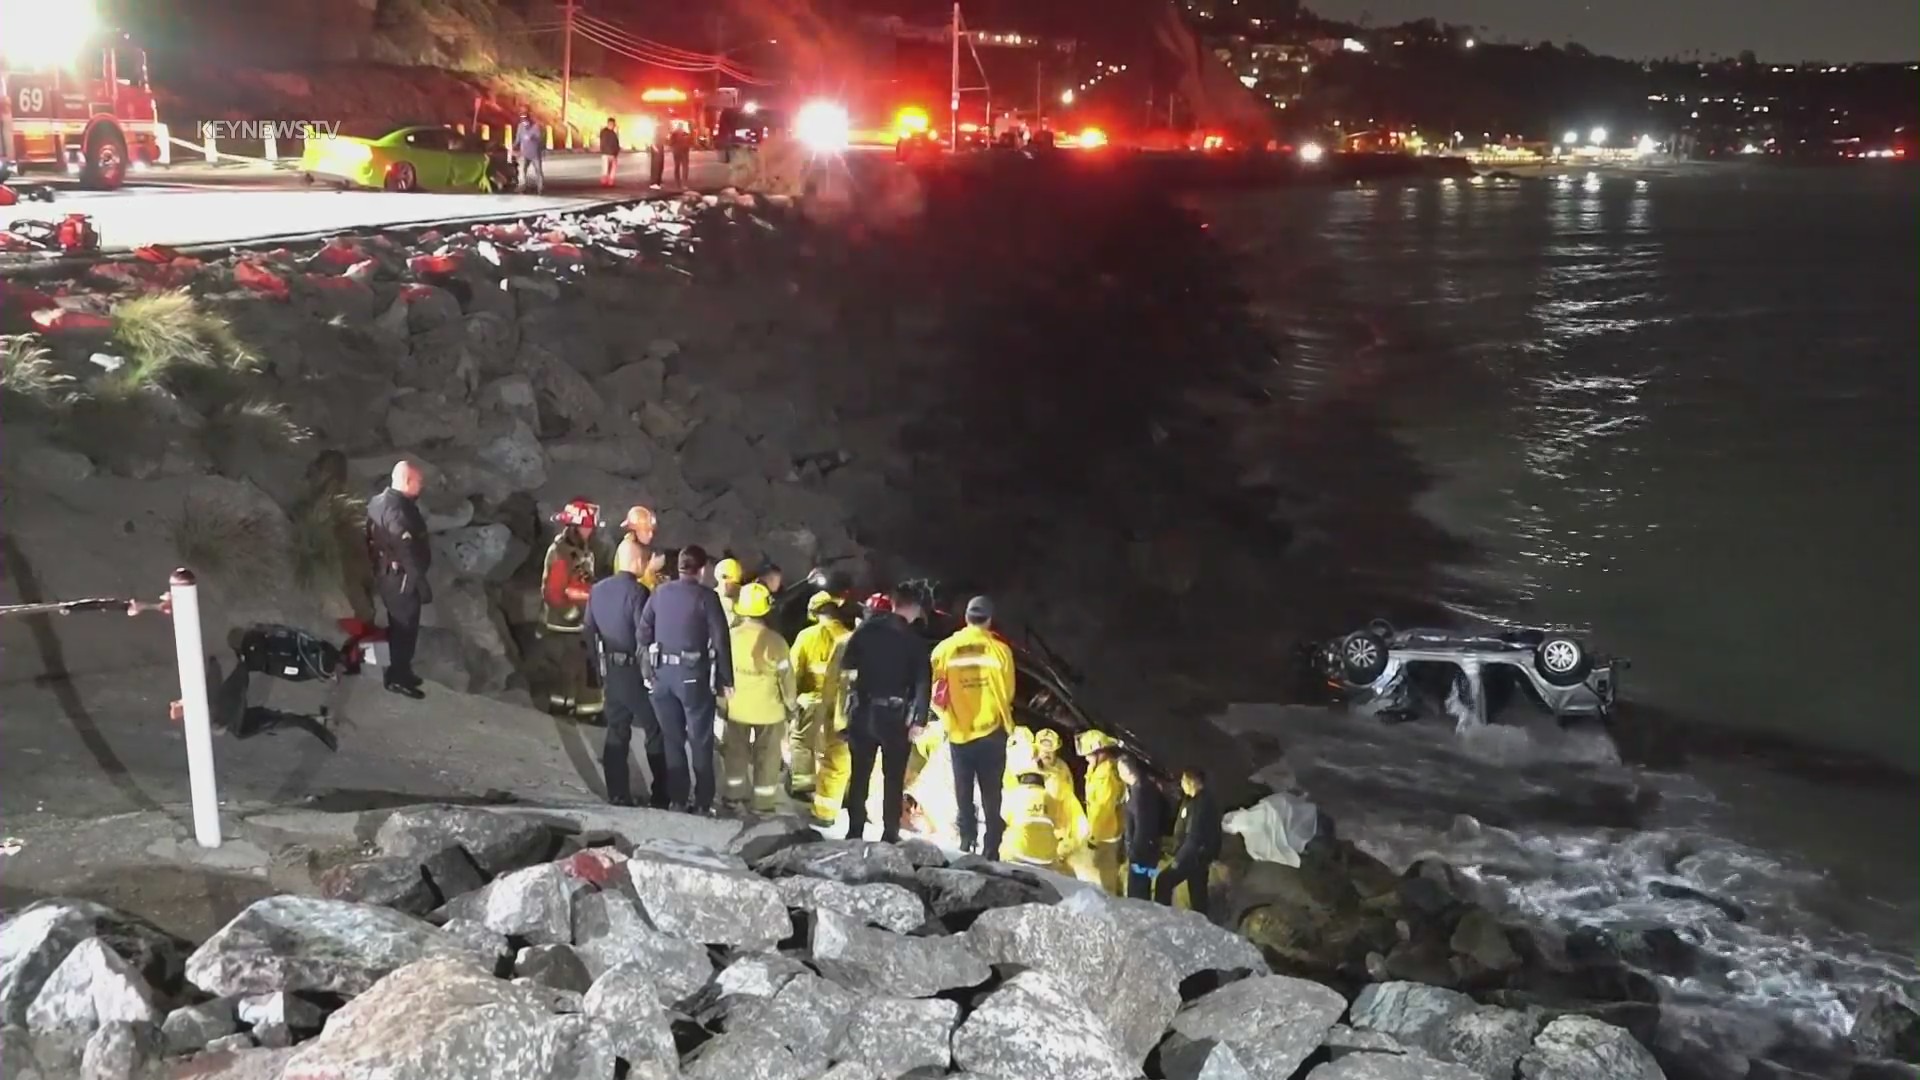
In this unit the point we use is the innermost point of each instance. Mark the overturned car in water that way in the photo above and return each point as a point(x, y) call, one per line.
point(1401, 674)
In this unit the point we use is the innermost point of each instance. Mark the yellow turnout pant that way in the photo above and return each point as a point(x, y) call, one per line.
point(750, 761)
point(833, 769)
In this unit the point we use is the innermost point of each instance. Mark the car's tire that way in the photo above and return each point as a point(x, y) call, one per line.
point(402, 177)
point(1562, 661)
point(103, 165)
point(1381, 628)
point(1363, 657)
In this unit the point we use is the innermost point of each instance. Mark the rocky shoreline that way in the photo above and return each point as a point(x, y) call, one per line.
point(801, 391)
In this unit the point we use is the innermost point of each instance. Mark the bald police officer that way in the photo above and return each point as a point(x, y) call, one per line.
point(613, 640)
point(397, 545)
point(688, 654)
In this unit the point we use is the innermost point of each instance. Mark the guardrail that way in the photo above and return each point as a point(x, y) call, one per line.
point(274, 152)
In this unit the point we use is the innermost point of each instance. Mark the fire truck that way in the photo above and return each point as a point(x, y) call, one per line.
point(72, 95)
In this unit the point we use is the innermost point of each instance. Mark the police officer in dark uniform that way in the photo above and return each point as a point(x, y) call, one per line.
point(888, 668)
point(397, 544)
point(688, 657)
point(613, 637)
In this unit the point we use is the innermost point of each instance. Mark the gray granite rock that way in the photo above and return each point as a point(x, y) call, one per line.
point(809, 1016)
point(1185, 940)
point(849, 862)
point(625, 1002)
point(883, 904)
point(499, 843)
point(712, 906)
point(1887, 1025)
point(557, 966)
point(17, 1055)
point(745, 1055)
point(119, 1050)
point(1034, 1026)
point(1272, 1022)
point(958, 896)
point(452, 873)
point(306, 943)
point(584, 1050)
point(1390, 1067)
point(1406, 1010)
point(685, 851)
point(535, 903)
point(237, 1041)
point(922, 853)
point(1203, 1059)
point(489, 947)
point(1486, 1039)
point(758, 975)
point(193, 1027)
point(280, 1007)
point(879, 962)
point(609, 931)
point(91, 987)
point(394, 881)
point(433, 1019)
point(1343, 1040)
point(1582, 1048)
point(34, 941)
point(898, 1035)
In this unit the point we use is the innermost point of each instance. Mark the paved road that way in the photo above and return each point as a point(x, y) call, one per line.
point(198, 205)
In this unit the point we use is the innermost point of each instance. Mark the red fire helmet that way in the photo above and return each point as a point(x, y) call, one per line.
point(578, 512)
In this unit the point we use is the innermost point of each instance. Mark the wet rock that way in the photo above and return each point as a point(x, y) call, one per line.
point(282, 1009)
point(305, 943)
point(192, 1027)
point(715, 456)
point(625, 1002)
point(1202, 1059)
point(609, 931)
point(1405, 1010)
point(476, 551)
point(91, 987)
point(1034, 1026)
point(432, 1019)
point(809, 1015)
point(898, 1035)
point(1487, 1040)
point(958, 896)
point(120, 1050)
point(1582, 1048)
point(745, 1055)
point(1272, 1022)
point(1481, 940)
point(883, 904)
point(1184, 939)
point(1128, 987)
point(758, 975)
point(1389, 1067)
point(35, 940)
point(1887, 1025)
point(535, 903)
point(390, 882)
point(553, 965)
point(717, 907)
point(516, 455)
point(880, 962)
point(499, 843)
point(451, 872)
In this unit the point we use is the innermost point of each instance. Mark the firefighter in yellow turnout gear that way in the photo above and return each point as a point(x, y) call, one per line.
point(1106, 796)
point(832, 756)
point(763, 700)
point(812, 652)
point(1045, 824)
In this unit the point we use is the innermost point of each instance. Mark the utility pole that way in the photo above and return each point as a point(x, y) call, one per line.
point(566, 66)
point(953, 120)
point(1039, 90)
point(719, 49)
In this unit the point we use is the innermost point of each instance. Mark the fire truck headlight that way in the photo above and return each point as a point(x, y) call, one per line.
point(40, 34)
point(1312, 153)
point(822, 127)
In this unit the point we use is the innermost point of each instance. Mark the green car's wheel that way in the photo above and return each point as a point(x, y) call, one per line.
point(402, 177)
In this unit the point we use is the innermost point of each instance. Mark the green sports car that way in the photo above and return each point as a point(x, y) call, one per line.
point(420, 158)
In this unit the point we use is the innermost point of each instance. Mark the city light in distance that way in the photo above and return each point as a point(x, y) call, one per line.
point(1312, 153)
point(1598, 136)
point(1570, 138)
point(1066, 96)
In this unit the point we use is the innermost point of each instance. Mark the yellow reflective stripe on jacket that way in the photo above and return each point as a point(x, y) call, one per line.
point(978, 669)
point(812, 650)
point(1106, 795)
point(762, 675)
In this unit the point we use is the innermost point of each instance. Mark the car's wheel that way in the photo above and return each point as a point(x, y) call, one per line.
point(1381, 628)
point(402, 177)
point(1562, 661)
point(105, 163)
point(1363, 657)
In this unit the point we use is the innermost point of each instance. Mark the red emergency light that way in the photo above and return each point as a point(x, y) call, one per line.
point(663, 94)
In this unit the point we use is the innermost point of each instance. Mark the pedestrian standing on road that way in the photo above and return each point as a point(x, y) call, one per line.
point(1145, 824)
point(888, 671)
point(764, 702)
point(613, 637)
point(397, 545)
point(682, 153)
point(609, 152)
point(530, 150)
point(688, 658)
point(977, 668)
point(657, 154)
point(1196, 843)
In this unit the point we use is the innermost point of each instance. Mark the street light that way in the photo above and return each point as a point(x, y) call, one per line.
point(1570, 138)
point(1598, 136)
point(1066, 96)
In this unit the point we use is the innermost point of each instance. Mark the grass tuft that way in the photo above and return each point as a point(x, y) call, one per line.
point(164, 334)
point(326, 534)
point(27, 373)
point(242, 428)
point(230, 543)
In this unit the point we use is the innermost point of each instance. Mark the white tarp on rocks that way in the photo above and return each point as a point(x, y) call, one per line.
point(1277, 828)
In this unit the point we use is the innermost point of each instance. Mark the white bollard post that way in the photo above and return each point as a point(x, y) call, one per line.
point(185, 595)
point(213, 152)
point(273, 147)
point(165, 139)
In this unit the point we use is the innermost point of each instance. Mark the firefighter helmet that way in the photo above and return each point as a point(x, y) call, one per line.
point(580, 513)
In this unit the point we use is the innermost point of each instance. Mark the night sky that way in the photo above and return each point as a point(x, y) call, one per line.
point(1776, 30)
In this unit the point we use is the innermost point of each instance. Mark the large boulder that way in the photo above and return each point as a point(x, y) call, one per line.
point(1582, 1048)
point(809, 1015)
point(1203, 1059)
point(850, 862)
point(555, 966)
point(1486, 1039)
point(1035, 1026)
point(515, 454)
point(957, 897)
point(610, 932)
point(758, 975)
point(498, 842)
point(1887, 1025)
point(433, 1019)
point(627, 388)
point(898, 1035)
point(716, 457)
point(1186, 940)
point(121, 1050)
point(746, 1055)
point(535, 903)
point(1408, 1011)
point(91, 987)
point(307, 943)
point(389, 881)
point(192, 1027)
point(1271, 1022)
point(234, 1063)
point(35, 940)
point(1390, 1067)
point(883, 904)
point(625, 1002)
point(879, 962)
point(1130, 988)
point(478, 551)
point(705, 904)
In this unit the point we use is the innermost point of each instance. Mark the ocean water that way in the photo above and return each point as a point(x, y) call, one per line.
point(1674, 412)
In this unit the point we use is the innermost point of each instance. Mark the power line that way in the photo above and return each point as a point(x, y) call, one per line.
point(667, 63)
point(614, 31)
point(670, 54)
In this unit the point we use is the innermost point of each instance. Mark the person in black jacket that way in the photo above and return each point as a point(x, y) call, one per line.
point(686, 656)
point(887, 667)
point(1196, 841)
point(397, 545)
point(1145, 824)
point(609, 153)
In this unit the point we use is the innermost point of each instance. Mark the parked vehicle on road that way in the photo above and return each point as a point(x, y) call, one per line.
point(74, 95)
point(1405, 673)
point(424, 157)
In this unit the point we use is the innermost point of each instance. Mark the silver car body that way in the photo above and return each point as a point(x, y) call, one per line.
point(1472, 657)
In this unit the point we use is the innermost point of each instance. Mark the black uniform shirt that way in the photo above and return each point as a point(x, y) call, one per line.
point(613, 613)
point(397, 537)
point(1197, 834)
point(685, 617)
point(893, 660)
point(1146, 822)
